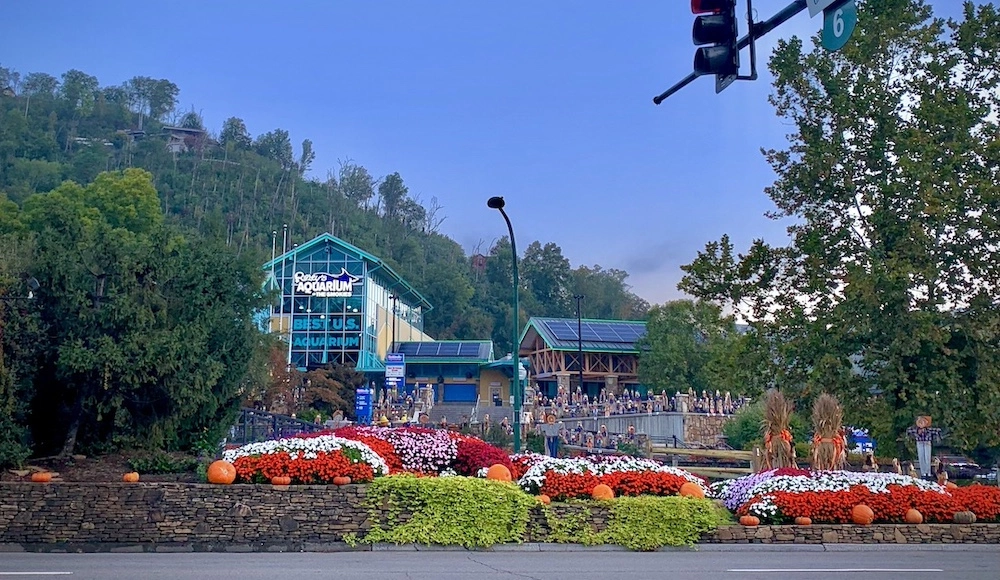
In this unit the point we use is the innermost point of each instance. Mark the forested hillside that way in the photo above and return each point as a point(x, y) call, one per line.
point(233, 188)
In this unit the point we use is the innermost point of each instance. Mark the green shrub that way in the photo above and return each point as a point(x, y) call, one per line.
point(746, 428)
point(13, 450)
point(162, 462)
point(461, 511)
point(535, 442)
point(638, 523)
point(649, 522)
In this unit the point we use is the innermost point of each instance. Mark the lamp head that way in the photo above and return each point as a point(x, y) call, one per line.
point(495, 202)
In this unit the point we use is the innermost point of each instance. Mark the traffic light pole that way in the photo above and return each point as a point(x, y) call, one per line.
point(758, 30)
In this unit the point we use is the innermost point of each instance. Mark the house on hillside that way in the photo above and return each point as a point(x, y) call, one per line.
point(182, 139)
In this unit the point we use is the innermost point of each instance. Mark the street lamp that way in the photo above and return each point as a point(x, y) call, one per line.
point(497, 203)
point(579, 336)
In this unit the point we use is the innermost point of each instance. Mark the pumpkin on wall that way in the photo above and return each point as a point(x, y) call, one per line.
point(221, 472)
point(41, 477)
point(131, 477)
point(749, 520)
point(602, 492)
point(862, 515)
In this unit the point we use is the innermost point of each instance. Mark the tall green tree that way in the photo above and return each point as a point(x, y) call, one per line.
point(685, 347)
point(888, 292)
point(150, 336)
point(547, 275)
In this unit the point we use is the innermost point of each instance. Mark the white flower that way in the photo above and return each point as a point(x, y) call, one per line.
point(309, 448)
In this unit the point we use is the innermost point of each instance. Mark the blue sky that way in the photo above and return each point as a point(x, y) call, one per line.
point(546, 103)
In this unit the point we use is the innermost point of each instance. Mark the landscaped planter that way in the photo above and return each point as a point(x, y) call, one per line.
point(171, 516)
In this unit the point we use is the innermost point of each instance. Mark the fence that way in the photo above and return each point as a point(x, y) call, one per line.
point(254, 425)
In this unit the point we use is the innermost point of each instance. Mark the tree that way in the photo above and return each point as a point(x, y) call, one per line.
point(78, 89)
point(392, 194)
point(547, 275)
point(276, 145)
point(307, 157)
point(888, 292)
point(608, 295)
point(356, 183)
point(192, 120)
point(332, 389)
point(151, 97)
point(9, 79)
point(683, 340)
point(234, 134)
point(150, 337)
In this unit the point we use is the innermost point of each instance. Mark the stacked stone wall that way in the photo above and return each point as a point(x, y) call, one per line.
point(704, 429)
point(176, 516)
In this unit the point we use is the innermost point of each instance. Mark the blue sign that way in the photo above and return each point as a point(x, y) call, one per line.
point(839, 21)
point(363, 405)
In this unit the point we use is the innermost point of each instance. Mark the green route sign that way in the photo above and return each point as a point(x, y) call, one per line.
point(839, 21)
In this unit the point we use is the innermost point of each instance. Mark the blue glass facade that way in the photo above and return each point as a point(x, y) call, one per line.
point(340, 305)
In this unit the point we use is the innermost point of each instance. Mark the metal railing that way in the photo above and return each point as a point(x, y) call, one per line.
point(254, 425)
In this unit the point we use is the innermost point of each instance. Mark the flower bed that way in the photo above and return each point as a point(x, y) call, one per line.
point(306, 460)
point(420, 450)
point(570, 478)
point(780, 495)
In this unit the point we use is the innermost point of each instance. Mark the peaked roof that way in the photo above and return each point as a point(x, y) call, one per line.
point(398, 284)
point(598, 335)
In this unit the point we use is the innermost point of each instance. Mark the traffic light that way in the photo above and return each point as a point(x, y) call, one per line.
point(717, 28)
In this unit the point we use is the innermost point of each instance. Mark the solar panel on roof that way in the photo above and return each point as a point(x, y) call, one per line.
point(448, 349)
point(469, 349)
point(562, 330)
point(407, 348)
point(427, 349)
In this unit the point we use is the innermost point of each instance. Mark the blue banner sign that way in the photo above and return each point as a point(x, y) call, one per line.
point(363, 405)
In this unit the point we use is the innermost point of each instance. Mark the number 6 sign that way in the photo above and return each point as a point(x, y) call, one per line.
point(839, 21)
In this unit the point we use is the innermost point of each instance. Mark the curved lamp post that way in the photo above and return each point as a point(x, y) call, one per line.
point(497, 203)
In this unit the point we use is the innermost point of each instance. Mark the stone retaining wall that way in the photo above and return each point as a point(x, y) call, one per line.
point(853, 534)
point(176, 516)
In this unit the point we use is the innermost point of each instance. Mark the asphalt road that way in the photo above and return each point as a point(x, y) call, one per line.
point(730, 563)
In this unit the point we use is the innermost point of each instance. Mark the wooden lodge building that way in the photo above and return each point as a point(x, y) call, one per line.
point(610, 355)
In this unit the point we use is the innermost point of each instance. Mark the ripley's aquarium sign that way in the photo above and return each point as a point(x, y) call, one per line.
point(324, 285)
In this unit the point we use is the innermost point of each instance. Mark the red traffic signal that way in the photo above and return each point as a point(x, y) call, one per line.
point(705, 6)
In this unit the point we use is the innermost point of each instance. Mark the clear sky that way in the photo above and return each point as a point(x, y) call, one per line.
point(546, 103)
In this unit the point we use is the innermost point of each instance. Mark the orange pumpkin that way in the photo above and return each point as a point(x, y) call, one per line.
point(602, 492)
point(544, 499)
point(131, 477)
point(221, 472)
point(41, 477)
point(803, 521)
point(498, 472)
point(749, 520)
point(862, 515)
point(341, 480)
point(913, 517)
point(281, 480)
point(690, 489)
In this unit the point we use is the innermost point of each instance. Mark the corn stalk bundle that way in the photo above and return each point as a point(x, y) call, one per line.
point(829, 447)
point(778, 449)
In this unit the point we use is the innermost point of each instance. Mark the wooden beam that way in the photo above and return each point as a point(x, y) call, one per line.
point(733, 454)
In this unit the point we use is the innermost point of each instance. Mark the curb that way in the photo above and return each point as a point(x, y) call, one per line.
point(539, 547)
